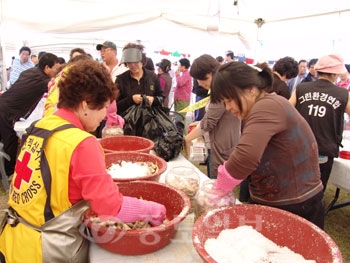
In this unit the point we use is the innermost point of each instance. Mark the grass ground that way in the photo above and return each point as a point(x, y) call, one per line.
point(337, 223)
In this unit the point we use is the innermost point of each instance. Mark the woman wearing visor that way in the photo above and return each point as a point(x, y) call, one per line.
point(137, 81)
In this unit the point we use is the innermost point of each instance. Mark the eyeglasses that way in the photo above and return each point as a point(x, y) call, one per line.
point(104, 49)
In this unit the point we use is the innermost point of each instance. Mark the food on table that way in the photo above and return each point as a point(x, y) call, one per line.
point(209, 198)
point(126, 169)
point(245, 244)
point(123, 226)
point(188, 185)
point(186, 179)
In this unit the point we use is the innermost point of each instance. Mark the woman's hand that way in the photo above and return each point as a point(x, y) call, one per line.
point(137, 98)
point(187, 146)
point(134, 209)
point(150, 99)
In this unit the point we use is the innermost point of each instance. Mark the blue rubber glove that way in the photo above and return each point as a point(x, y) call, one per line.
point(134, 209)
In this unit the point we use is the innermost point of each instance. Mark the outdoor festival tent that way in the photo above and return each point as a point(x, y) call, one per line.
point(253, 29)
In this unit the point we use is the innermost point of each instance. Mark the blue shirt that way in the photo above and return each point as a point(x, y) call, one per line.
point(18, 68)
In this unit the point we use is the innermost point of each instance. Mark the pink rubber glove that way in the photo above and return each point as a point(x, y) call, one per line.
point(113, 119)
point(134, 209)
point(225, 181)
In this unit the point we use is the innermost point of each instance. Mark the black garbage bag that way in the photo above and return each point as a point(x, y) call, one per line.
point(154, 123)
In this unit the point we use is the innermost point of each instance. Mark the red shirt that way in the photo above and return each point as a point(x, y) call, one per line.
point(88, 177)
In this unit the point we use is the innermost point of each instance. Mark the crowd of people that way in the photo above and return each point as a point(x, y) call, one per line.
point(272, 130)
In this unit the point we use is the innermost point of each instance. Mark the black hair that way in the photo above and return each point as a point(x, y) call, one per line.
point(49, 60)
point(312, 62)
point(220, 59)
point(347, 66)
point(41, 54)
point(165, 65)
point(230, 53)
point(233, 78)
point(149, 64)
point(185, 62)
point(203, 65)
point(287, 66)
point(61, 60)
point(24, 48)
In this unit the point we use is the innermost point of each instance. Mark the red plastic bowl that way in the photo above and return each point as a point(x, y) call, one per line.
point(344, 154)
point(117, 157)
point(126, 143)
point(282, 227)
point(143, 241)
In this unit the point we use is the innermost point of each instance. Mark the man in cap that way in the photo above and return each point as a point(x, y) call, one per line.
point(323, 104)
point(108, 51)
point(229, 56)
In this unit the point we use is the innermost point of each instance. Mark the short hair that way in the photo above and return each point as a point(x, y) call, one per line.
point(49, 60)
point(41, 54)
point(80, 57)
point(79, 50)
point(302, 61)
point(33, 56)
point(312, 62)
point(220, 59)
point(149, 64)
point(185, 62)
point(61, 60)
point(203, 65)
point(86, 80)
point(24, 48)
point(287, 66)
point(230, 53)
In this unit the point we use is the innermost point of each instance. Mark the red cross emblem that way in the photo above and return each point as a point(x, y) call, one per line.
point(22, 170)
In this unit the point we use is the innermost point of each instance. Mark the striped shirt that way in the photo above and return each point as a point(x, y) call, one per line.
point(18, 68)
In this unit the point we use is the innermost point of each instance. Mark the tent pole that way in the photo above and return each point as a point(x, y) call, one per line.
point(3, 71)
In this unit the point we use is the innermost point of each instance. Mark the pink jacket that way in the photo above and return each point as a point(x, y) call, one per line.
point(183, 86)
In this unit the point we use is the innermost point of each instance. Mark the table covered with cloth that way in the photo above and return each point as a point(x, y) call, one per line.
point(340, 178)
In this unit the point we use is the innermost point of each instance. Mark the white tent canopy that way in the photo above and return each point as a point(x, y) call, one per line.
point(260, 29)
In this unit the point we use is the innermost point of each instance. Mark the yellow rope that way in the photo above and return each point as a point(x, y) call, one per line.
point(195, 106)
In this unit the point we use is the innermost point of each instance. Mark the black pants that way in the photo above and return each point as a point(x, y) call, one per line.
point(311, 209)
point(326, 169)
point(9, 138)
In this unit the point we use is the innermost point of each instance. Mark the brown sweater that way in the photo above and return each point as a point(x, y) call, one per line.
point(278, 149)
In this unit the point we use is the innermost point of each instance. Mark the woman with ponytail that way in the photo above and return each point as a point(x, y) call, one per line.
point(277, 148)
